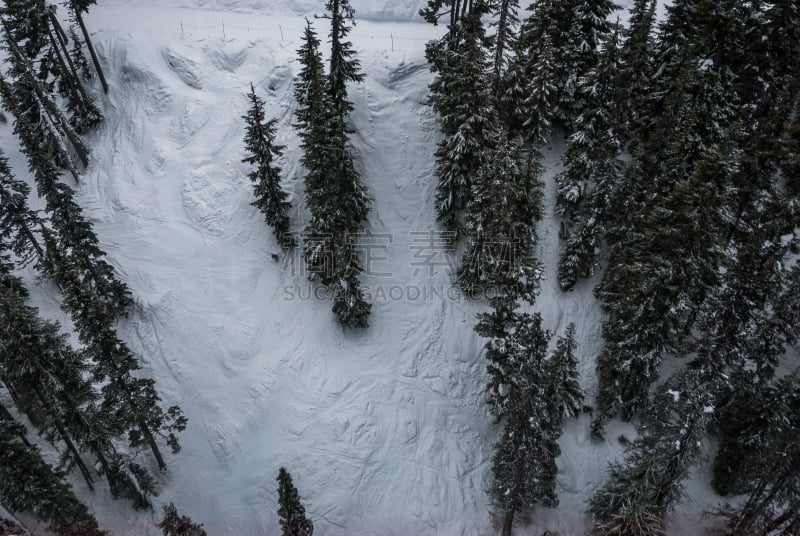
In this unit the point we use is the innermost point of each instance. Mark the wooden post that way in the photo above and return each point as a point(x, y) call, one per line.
point(281, 29)
point(391, 36)
point(95, 60)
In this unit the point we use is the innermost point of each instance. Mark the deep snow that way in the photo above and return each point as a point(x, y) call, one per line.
point(384, 430)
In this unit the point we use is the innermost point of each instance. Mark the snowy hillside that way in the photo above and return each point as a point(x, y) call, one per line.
point(385, 430)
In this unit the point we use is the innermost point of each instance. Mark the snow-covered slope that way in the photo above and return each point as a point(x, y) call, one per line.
point(384, 430)
point(396, 10)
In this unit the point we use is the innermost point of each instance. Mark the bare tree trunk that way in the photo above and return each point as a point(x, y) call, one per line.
point(95, 60)
point(63, 41)
point(508, 518)
point(502, 33)
point(64, 69)
point(77, 144)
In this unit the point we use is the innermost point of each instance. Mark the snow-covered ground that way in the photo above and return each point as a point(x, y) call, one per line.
point(385, 430)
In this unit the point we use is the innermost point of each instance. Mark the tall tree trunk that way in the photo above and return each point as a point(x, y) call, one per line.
point(508, 518)
point(77, 144)
point(66, 73)
point(148, 435)
point(89, 45)
point(502, 35)
point(62, 39)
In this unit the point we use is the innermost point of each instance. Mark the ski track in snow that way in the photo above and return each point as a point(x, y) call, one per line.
point(385, 431)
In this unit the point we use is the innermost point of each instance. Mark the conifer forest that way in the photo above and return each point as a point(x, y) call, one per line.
point(399, 267)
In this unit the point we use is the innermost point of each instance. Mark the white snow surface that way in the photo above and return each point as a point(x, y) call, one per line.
point(384, 430)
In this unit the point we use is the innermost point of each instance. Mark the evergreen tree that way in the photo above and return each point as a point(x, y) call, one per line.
point(40, 145)
point(592, 169)
point(50, 383)
point(523, 465)
point(128, 403)
point(262, 152)
point(507, 20)
point(469, 126)
point(773, 503)
point(635, 74)
point(335, 194)
point(531, 94)
point(563, 392)
point(593, 149)
point(46, 375)
point(291, 511)
point(28, 484)
point(639, 493)
point(670, 250)
point(18, 222)
point(77, 9)
point(501, 215)
point(173, 524)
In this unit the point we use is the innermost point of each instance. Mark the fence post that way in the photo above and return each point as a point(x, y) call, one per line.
point(223, 29)
point(392, 38)
point(181, 28)
point(281, 29)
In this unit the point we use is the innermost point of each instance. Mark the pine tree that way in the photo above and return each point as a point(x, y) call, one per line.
point(40, 144)
point(635, 74)
point(523, 465)
point(262, 152)
point(670, 250)
point(335, 195)
point(77, 9)
point(46, 375)
point(49, 382)
point(469, 126)
point(592, 168)
point(129, 402)
point(530, 95)
point(18, 222)
point(773, 503)
point(291, 511)
point(173, 524)
point(501, 215)
point(28, 484)
point(639, 493)
point(563, 391)
point(507, 20)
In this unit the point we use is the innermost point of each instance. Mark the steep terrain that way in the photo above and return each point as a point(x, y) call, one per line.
point(385, 431)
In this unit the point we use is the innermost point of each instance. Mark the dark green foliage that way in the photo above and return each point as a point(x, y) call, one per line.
point(174, 524)
point(664, 266)
point(504, 205)
point(291, 511)
point(335, 195)
point(129, 403)
point(266, 178)
point(529, 100)
point(344, 67)
point(639, 493)
point(563, 393)
point(523, 465)
point(592, 168)
point(634, 77)
point(43, 150)
point(771, 464)
point(17, 222)
point(469, 120)
point(504, 39)
point(28, 484)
